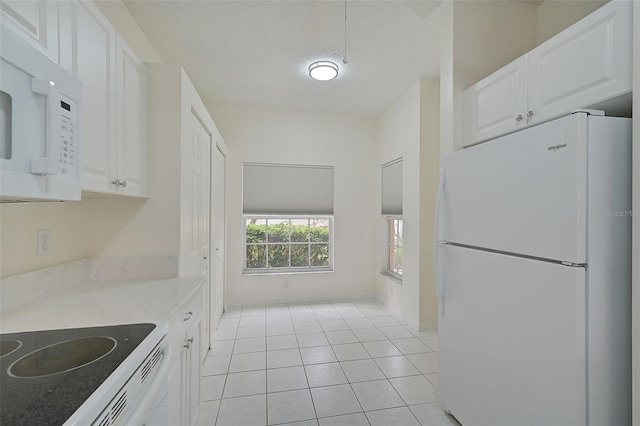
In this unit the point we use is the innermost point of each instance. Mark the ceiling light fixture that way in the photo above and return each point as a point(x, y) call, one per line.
point(327, 70)
point(323, 70)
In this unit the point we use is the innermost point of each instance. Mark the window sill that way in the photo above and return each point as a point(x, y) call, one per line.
point(392, 277)
point(266, 274)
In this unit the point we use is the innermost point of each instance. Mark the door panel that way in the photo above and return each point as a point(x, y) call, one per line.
point(218, 235)
point(34, 21)
point(597, 50)
point(95, 66)
point(133, 151)
point(205, 234)
point(494, 104)
point(512, 340)
point(200, 236)
point(523, 193)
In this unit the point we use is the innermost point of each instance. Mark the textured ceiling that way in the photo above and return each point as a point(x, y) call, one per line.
point(257, 52)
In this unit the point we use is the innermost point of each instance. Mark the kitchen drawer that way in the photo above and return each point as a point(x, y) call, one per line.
point(184, 317)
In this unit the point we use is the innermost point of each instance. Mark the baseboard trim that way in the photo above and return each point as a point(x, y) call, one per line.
point(428, 326)
point(253, 302)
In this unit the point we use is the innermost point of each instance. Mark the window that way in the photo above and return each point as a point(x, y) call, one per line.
point(288, 244)
point(394, 267)
point(288, 218)
point(392, 206)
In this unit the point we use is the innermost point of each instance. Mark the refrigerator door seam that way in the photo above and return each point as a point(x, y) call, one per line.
point(523, 256)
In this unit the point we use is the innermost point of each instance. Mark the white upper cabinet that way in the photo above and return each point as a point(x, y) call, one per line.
point(496, 104)
point(132, 146)
point(34, 21)
point(585, 64)
point(94, 57)
point(115, 147)
point(77, 36)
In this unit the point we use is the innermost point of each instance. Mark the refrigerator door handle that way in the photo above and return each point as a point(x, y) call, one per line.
point(438, 243)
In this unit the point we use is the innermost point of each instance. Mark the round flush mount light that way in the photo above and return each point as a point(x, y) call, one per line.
point(323, 70)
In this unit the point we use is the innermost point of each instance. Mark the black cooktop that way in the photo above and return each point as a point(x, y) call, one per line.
point(47, 375)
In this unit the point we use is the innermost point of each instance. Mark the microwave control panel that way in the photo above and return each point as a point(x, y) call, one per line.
point(68, 156)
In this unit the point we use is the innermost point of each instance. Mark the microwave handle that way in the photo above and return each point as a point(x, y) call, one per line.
point(50, 163)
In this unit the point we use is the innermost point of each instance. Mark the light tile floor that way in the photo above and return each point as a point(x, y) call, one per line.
point(328, 363)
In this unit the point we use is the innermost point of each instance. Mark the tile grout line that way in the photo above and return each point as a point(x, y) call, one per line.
point(331, 345)
point(313, 404)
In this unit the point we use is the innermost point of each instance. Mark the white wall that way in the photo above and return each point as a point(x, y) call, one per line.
point(278, 136)
point(554, 16)
point(398, 135)
point(409, 128)
point(19, 223)
point(117, 13)
point(429, 180)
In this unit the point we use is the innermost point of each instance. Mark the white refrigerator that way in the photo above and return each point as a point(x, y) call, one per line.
point(533, 272)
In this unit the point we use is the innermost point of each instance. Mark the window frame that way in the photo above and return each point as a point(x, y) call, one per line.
point(392, 246)
point(286, 270)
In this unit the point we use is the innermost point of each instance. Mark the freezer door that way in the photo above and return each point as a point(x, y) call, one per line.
point(512, 340)
point(523, 193)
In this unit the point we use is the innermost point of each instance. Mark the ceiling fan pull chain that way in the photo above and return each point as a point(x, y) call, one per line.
point(344, 60)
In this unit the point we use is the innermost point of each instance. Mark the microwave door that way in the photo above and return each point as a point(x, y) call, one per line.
point(39, 125)
point(22, 130)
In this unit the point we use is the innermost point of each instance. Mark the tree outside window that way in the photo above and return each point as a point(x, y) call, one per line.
point(394, 266)
point(280, 244)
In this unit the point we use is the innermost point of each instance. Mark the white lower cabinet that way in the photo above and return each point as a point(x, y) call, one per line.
point(185, 339)
point(184, 379)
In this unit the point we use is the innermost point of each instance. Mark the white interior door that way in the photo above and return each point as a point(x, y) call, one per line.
point(512, 340)
point(200, 215)
point(218, 236)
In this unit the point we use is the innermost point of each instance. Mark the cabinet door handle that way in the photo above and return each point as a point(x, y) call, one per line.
point(116, 182)
point(124, 183)
point(519, 117)
point(529, 114)
point(188, 316)
point(189, 342)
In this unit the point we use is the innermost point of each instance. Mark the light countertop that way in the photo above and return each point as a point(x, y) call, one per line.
point(99, 303)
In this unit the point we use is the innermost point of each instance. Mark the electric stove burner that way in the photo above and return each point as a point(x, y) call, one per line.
point(62, 357)
point(52, 373)
point(6, 347)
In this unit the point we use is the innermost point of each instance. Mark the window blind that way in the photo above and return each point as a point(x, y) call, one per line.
point(287, 189)
point(392, 187)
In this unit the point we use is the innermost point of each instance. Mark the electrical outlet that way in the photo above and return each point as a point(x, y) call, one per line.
point(286, 284)
point(44, 242)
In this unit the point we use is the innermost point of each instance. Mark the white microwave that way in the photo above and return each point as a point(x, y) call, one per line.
point(40, 119)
